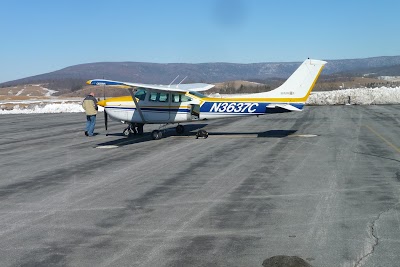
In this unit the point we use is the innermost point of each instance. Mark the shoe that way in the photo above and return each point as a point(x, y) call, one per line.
point(86, 133)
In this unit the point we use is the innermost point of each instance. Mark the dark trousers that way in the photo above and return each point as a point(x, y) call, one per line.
point(90, 123)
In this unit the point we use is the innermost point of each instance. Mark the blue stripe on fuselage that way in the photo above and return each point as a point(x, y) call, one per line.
point(185, 110)
point(233, 107)
point(105, 82)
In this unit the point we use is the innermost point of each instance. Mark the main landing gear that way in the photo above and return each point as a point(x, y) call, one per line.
point(157, 134)
point(180, 129)
point(133, 129)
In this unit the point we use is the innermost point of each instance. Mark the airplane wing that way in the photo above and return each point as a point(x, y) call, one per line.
point(173, 87)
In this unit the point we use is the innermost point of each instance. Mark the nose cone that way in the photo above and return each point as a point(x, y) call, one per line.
point(102, 103)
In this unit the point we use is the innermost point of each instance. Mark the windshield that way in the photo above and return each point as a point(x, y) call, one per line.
point(197, 94)
point(140, 94)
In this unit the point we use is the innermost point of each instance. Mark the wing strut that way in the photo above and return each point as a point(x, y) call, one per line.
point(137, 105)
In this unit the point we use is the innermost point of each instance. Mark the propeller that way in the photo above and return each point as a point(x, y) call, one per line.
point(105, 112)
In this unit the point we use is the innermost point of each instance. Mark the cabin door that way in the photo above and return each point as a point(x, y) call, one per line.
point(158, 107)
point(194, 112)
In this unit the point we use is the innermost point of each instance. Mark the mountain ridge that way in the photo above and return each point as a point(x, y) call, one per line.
point(73, 77)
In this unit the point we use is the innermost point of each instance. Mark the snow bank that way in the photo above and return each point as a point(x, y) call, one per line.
point(360, 96)
point(34, 107)
point(44, 108)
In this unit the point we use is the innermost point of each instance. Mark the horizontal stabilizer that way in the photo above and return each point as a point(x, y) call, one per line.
point(284, 106)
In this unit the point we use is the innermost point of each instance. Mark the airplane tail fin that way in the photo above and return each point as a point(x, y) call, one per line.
point(298, 86)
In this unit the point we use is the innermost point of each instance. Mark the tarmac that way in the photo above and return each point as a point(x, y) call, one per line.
point(322, 185)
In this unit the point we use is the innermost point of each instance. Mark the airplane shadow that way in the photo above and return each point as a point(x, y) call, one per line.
point(269, 134)
point(135, 139)
point(191, 130)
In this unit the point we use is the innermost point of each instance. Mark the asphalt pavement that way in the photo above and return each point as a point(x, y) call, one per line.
point(322, 185)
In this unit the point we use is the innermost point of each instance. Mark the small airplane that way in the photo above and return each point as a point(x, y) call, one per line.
point(178, 103)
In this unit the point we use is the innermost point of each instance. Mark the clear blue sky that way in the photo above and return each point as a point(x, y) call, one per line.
point(46, 35)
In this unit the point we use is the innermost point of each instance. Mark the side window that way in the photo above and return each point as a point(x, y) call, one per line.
point(153, 97)
point(158, 97)
point(141, 94)
point(163, 97)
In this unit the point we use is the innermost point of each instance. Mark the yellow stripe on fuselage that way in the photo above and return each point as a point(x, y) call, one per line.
point(227, 99)
point(115, 99)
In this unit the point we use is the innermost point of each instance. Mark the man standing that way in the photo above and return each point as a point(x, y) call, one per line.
point(89, 104)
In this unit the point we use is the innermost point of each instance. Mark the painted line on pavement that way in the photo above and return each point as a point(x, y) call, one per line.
point(383, 138)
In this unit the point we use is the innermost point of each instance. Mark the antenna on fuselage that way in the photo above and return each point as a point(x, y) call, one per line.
point(180, 82)
point(173, 81)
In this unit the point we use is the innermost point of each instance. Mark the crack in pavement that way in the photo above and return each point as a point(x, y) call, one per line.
point(374, 235)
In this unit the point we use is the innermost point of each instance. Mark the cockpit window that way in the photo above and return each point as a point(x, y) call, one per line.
point(176, 98)
point(185, 98)
point(141, 94)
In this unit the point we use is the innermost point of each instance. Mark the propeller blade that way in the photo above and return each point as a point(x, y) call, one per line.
point(105, 118)
point(105, 112)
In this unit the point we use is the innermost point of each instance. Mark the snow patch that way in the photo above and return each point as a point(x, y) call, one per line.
point(49, 91)
point(390, 78)
point(20, 92)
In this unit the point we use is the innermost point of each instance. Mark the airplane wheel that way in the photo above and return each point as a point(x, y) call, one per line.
point(156, 135)
point(180, 129)
point(126, 132)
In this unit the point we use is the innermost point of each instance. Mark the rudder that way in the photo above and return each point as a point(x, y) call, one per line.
point(298, 86)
